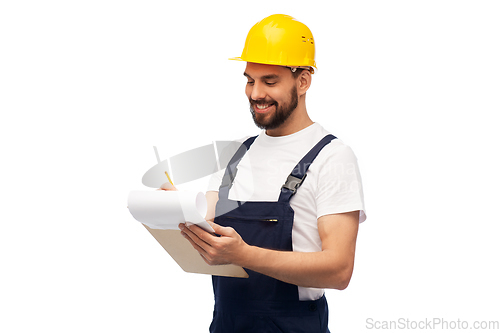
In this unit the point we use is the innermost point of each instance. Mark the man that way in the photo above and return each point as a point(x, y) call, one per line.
point(295, 235)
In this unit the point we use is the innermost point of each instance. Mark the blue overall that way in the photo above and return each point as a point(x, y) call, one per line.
point(260, 303)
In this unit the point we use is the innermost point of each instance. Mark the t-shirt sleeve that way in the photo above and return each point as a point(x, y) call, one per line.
point(339, 188)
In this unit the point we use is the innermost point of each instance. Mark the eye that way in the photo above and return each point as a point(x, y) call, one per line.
point(250, 83)
point(270, 83)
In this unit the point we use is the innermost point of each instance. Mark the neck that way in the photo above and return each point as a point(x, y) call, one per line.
point(297, 121)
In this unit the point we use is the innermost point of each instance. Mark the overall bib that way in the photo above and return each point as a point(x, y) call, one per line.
point(260, 303)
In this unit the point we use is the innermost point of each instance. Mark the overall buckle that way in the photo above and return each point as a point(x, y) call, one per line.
point(293, 183)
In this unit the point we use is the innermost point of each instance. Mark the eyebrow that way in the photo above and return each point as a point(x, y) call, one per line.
point(265, 77)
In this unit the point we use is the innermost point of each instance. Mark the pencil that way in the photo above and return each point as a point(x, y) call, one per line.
point(170, 180)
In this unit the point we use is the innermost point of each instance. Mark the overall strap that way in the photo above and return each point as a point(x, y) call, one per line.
point(298, 174)
point(231, 170)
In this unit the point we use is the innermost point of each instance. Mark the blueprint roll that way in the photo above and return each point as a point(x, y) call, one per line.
point(166, 209)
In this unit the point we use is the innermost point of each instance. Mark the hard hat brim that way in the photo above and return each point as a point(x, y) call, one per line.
point(312, 69)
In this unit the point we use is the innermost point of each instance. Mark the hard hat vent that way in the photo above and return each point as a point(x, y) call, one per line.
point(308, 40)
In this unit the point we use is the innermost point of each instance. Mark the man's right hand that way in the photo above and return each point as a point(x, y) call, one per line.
point(167, 187)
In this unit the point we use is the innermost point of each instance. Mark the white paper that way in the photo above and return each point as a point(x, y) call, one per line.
point(166, 209)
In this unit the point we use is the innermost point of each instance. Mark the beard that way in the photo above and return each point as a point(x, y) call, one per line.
point(282, 111)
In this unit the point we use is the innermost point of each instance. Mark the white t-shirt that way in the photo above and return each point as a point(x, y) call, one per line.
point(332, 186)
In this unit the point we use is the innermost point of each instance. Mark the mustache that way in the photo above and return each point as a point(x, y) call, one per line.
point(261, 101)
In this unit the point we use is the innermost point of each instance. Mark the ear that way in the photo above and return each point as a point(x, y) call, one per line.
point(303, 82)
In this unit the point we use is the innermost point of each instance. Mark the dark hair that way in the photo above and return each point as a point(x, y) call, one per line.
point(297, 72)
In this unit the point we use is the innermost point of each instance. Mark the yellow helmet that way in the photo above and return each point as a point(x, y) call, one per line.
point(279, 40)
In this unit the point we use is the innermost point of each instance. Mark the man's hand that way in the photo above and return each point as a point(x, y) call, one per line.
point(229, 248)
point(167, 187)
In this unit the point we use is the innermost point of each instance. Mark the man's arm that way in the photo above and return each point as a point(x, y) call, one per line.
point(212, 198)
point(329, 268)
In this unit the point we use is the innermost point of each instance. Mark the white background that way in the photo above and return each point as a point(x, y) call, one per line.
point(88, 87)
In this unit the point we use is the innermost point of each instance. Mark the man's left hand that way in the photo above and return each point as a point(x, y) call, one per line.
point(229, 248)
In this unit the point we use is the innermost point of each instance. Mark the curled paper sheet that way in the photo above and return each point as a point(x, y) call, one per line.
point(166, 209)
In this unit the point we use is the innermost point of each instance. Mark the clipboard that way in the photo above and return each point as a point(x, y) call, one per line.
point(188, 258)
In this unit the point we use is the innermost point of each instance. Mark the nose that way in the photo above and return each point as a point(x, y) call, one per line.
point(258, 91)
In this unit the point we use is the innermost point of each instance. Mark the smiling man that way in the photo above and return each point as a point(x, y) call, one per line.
point(274, 97)
point(288, 206)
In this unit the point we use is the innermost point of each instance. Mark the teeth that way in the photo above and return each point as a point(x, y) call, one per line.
point(262, 106)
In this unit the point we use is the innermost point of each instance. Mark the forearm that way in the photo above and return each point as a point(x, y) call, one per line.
point(330, 268)
point(306, 269)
